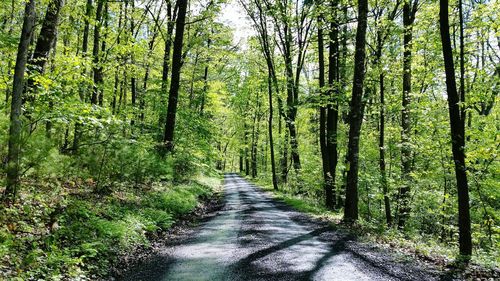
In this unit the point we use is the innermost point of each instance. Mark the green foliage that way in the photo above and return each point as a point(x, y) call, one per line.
point(73, 233)
point(99, 171)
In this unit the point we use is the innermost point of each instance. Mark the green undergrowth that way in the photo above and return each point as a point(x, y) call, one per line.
point(373, 231)
point(299, 202)
point(65, 231)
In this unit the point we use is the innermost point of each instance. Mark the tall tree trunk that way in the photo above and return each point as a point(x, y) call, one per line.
point(255, 136)
point(245, 150)
point(133, 97)
point(333, 105)
point(270, 130)
point(457, 134)
point(322, 115)
point(15, 129)
point(48, 123)
point(97, 68)
point(44, 44)
point(381, 35)
point(166, 63)
point(100, 97)
point(253, 148)
point(86, 28)
point(343, 84)
point(45, 40)
point(176, 73)
point(381, 145)
point(356, 115)
point(205, 79)
point(406, 154)
point(117, 82)
point(462, 62)
point(133, 79)
point(291, 101)
point(168, 46)
point(205, 90)
point(284, 156)
point(115, 92)
point(241, 161)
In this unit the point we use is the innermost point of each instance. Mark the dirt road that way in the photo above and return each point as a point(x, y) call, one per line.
point(256, 238)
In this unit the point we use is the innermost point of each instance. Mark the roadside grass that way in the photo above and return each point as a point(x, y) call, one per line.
point(425, 247)
point(63, 230)
point(299, 202)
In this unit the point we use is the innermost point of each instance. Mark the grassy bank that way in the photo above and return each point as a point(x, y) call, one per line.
point(64, 230)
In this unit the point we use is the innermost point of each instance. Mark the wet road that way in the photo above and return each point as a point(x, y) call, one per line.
point(255, 238)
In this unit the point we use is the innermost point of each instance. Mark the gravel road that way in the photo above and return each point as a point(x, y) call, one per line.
point(256, 238)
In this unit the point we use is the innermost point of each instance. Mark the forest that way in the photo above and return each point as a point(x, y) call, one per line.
point(118, 119)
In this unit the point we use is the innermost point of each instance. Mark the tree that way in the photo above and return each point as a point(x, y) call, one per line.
point(173, 94)
point(45, 41)
point(457, 130)
point(382, 31)
point(409, 12)
point(270, 131)
point(44, 44)
point(171, 19)
point(15, 129)
point(333, 104)
point(322, 113)
point(258, 17)
point(97, 69)
point(292, 31)
point(356, 115)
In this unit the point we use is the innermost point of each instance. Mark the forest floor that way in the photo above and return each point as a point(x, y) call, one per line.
point(255, 237)
point(64, 230)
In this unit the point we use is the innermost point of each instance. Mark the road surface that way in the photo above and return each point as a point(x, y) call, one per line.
point(256, 238)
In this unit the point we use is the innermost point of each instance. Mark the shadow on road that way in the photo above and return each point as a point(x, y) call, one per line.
point(256, 238)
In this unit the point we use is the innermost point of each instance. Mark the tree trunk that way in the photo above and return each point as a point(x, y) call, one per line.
point(270, 130)
point(100, 97)
point(406, 157)
point(343, 81)
point(133, 98)
point(322, 115)
point(291, 101)
point(381, 145)
point(15, 129)
point(97, 68)
point(462, 62)
point(115, 93)
point(457, 134)
point(284, 157)
point(205, 90)
point(245, 151)
point(380, 38)
point(175, 78)
point(253, 146)
point(86, 28)
point(133, 79)
point(205, 80)
point(45, 41)
point(44, 44)
point(241, 161)
point(333, 106)
point(356, 116)
point(166, 62)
